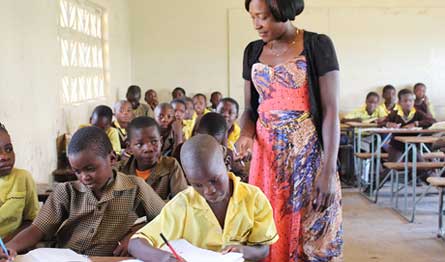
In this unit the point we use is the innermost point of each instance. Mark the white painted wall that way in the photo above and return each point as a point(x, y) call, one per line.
point(29, 78)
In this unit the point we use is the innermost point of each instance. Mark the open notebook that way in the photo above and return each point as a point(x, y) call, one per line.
point(51, 255)
point(192, 253)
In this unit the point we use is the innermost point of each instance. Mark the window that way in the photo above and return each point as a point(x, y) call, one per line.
point(82, 51)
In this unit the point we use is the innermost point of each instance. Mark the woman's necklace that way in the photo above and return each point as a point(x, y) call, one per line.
point(288, 47)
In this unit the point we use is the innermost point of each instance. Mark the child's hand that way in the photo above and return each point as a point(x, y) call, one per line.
point(244, 146)
point(228, 249)
point(122, 247)
point(11, 257)
point(412, 125)
point(393, 125)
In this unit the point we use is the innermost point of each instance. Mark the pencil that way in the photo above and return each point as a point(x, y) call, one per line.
point(236, 153)
point(171, 248)
point(5, 250)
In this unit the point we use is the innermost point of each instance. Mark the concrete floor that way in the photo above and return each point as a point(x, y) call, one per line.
point(374, 232)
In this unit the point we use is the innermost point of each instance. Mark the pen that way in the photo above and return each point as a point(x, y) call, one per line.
point(236, 153)
point(5, 250)
point(171, 248)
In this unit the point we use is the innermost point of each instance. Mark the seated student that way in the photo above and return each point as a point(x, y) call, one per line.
point(180, 109)
point(370, 112)
point(94, 215)
point(189, 117)
point(102, 117)
point(134, 96)
point(215, 98)
point(151, 98)
point(218, 212)
point(164, 116)
point(200, 105)
point(229, 108)
point(123, 114)
point(422, 103)
point(178, 93)
point(18, 197)
point(162, 173)
point(389, 104)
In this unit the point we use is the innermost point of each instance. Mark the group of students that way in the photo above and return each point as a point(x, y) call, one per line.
point(127, 169)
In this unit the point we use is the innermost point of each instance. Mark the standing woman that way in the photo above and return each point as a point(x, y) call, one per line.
point(291, 118)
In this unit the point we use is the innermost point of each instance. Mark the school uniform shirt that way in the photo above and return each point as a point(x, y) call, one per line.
point(424, 107)
point(113, 135)
point(234, 135)
point(383, 108)
point(166, 177)
point(168, 144)
point(93, 227)
point(188, 127)
point(143, 110)
point(122, 132)
point(362, 114)
point(18, 200)
point(249, 220)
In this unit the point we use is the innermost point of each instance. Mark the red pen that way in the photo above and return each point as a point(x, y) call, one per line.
point(171, 248)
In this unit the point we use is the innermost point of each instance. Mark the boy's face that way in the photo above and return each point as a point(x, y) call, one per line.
point(164, 117)
point(390, 96)
point(420, 91)
point(7, 156)
point(91, 169)
point(199, 104)
point(190, 110)
point(177, 94)
point(407, 102)
point(179, 110)
point(228, 111)
point(100, 122)
point(134, 99)
point(145, 145)
point(371, 104)
point(215, 99)
point(151, 97)
point(210, 180)
point(125, 113)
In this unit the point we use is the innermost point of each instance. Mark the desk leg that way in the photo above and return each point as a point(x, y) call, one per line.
point(414, 179)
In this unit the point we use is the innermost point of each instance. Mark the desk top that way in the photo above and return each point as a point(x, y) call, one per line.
point(360, 124)
point(108, 259)
point(417, 139)
point(403, 131)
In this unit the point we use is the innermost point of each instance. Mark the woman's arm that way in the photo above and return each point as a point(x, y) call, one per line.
point(247, 124)
point(326, 182)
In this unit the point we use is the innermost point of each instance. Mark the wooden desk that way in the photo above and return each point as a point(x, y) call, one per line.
point(404, 131)
point(417, 139)
point(108, 259)
point(360, 124)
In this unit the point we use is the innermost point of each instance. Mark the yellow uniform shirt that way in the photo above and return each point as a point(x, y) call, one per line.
point(188, 127)
point(249, 220)
point(233, 136)
point(18, 200)
point(362, 114)
point(382, 108)
point(113, 135)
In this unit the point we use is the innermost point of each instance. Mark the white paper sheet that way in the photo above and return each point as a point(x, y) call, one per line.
point(51, 255)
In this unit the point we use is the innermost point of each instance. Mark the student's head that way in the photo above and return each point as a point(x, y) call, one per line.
point(389, 94)
point(215, 97)
point(144, 141)
point(178, 92)
point(202, 159)
point(102, 117)
point(179, 108)
point(271, 17)
point(164, 115)
point(406, 99)
point(199, 103)
point(91, 155)
point(7, 155)
point(419, 90)
point(228, 108)
point(372, 101)
point(190, 110)
point(134, 95)
point(151, 97)
point(215, 125)
point(123, 112)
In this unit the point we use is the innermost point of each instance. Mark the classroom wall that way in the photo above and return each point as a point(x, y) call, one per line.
point(30, 104)
point(198, 44)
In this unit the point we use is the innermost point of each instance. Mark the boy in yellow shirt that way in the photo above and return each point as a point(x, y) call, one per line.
point(369, 113)
point(218, 212)
point(18, 197)
point(134, 96)
point(389, 96)
point(123, 114)
point(229, 108)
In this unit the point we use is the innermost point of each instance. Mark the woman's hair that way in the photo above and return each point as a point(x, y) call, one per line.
point(282, 10)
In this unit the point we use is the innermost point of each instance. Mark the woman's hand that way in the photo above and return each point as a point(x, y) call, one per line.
point(325, 188)
point(244, 146)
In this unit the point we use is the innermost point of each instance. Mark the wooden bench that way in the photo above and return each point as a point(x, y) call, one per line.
point(365, 156)
point(419, 165)
point(439, 183)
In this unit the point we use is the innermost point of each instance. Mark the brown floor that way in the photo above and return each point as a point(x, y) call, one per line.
point(374, 232)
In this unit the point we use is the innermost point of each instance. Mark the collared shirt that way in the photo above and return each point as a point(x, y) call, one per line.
point(18, 200)
point(113, 135)
point(188, 127)
point(122, 132)
point(143, 110)
point(362, 114)
point(249, 220)
point(90, 226)
point(166, 177)
point(233, 136)
point(407, 118)
point(382, 107)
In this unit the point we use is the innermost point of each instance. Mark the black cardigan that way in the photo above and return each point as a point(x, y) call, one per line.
point(321, 58)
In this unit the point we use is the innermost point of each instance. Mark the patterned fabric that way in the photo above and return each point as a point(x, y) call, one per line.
point(287, 157)
point(166, 177)
point(93, 227)
point(143, 110)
